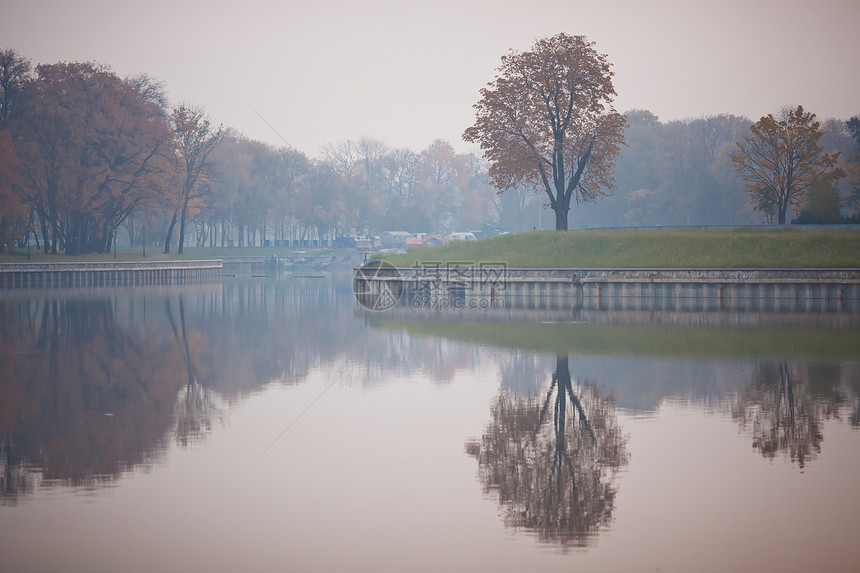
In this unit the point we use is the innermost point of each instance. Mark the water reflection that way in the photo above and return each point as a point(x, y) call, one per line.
point(194, 415)
point(84, 398)
point(551, 462)
point(96, 382)
point(97, 385)
point(784, 408)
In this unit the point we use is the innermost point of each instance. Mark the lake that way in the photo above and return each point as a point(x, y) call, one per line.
point(278, 425)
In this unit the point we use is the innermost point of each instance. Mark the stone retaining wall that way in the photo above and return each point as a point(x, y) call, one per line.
point(624, 289)
point(74, 274)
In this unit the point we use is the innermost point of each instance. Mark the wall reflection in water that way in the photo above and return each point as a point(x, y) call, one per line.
point(551, 461)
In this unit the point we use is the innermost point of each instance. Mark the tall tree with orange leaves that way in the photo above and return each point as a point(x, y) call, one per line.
point(195, 138)
point(93, 147)
point(11, 215)
point(781, 160)
point(547, 121)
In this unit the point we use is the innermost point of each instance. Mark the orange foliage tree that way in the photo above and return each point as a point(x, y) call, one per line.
point(781, 159)
point(93, 148)
point(547, 121)
point(11, 216)
point(195, 138)
point(15, 71)
point(852, 167)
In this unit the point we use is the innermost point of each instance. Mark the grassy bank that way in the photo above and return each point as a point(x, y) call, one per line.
point(666, 248)
point(645, 340)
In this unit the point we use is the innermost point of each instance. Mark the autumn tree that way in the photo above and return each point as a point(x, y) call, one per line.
point(442, 178)
point(363, 171)
point(294, 174)
point(479, 201)
point(11, 216)
point(852, 166)
point(781, 159)
point(195, 138)
point(244, 176)
point(547, 121)
point(93, 147)
point(401, 194)
point(323, 201)
point(15, 71)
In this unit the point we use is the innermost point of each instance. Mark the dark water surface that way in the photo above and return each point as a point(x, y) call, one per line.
point(265, 425)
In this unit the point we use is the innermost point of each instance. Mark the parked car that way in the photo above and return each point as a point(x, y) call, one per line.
point(434, 240)
point(467, 236)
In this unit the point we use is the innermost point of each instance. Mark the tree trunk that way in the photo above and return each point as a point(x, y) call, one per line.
point(560, 216)
point(129, 227)
point(182, 220)
point(169, 234)
point(45, 238)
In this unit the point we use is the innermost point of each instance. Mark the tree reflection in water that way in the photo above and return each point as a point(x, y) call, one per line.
point(552, 462)
point(89, 396)
point(784, 407)
point(194, 411)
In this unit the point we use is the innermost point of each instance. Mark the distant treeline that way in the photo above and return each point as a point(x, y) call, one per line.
point(87, 157)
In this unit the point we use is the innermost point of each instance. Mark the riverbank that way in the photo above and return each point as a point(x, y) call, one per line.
point(650, 248)
point(693, 248)
point(128, 254)
point(87, 274)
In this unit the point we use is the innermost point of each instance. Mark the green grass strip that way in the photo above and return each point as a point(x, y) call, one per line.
point(652, 248)
point(644, 340)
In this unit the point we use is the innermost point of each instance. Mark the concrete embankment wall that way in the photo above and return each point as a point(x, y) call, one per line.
point(48, 275)
point(244, 265)
point(633, 289)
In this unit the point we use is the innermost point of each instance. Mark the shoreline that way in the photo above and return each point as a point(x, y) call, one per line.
point(498, 287)
point(85, 274)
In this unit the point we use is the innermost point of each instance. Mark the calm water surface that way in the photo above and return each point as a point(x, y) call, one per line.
point(265, 425)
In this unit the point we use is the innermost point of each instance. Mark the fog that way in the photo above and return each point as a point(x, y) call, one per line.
point(310, 73)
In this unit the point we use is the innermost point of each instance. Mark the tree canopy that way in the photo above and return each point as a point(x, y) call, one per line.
point(14, 72)
point(547, 121)
point(84, 153)
point(852, 165)
point(194, 139)
point(93, 147)
point(781, 159)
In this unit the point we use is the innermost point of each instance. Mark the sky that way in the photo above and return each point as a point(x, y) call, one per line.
point(312, 73)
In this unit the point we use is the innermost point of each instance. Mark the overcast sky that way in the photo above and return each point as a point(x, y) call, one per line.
point(408, 72)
